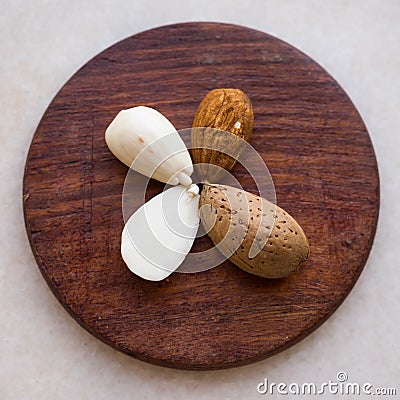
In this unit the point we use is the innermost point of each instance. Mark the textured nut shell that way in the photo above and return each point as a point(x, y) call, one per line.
point(229, 110)
point(234, 219)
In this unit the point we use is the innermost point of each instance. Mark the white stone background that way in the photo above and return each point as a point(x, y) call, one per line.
point(44, 353)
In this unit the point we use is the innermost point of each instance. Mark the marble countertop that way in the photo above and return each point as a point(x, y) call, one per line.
point(44, 353)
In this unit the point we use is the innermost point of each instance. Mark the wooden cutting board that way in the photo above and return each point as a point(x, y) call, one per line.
point(307, 131)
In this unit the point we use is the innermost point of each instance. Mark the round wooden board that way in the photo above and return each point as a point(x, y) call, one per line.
point(307, 131)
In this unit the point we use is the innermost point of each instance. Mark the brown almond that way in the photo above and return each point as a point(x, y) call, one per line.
point(223, 121)
point(255, 234)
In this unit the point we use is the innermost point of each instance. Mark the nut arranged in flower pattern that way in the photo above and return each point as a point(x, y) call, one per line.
point(222, 124)
point(255, 234)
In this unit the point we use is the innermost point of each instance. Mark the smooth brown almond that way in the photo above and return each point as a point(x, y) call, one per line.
point(223, 120)
point(256, 235)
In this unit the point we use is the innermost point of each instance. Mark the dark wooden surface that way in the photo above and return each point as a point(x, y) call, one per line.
point(307, 131)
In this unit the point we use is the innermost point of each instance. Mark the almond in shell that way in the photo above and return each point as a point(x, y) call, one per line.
point(255, 234)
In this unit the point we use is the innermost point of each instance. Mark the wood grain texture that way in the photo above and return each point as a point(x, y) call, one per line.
point(305, 128)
